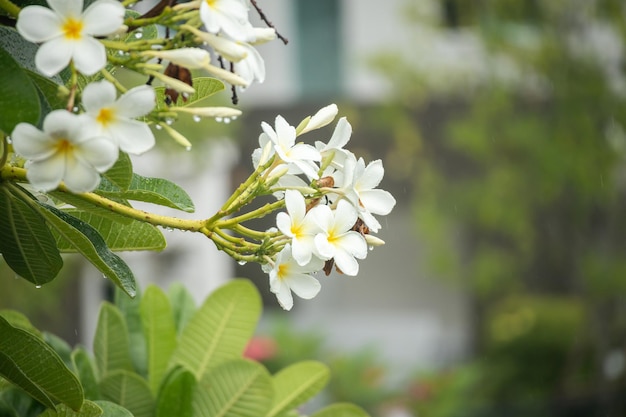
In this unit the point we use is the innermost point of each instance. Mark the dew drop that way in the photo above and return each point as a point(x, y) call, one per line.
point(196, 118)
point(9, 140)
point(226, 120)
point(138, 34)
point(185, 95)
point(371, 247)
point(169, 121)
point(242, 262)
point(37, 286)
point(120, 52)
point(233, 118)
point(158, 127)
point(104, 276)
point(75, 109)
point(187, 148)
point(219, 119)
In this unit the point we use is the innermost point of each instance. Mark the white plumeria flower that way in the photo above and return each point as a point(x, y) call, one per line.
point(251, 68)
point(115, 117)
point(286, 275)
point(228, 16)
point(299, 226)
point(68, 35)
point(338, 241)
point(299, 157)
point(358, 184)
point(66, 150)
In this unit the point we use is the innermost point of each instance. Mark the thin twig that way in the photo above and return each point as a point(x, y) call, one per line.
point(267, 22)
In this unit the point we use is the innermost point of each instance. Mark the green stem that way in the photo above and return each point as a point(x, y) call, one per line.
point(11, 8)
point(109, 77)
point(4, 150)
point(254, 214)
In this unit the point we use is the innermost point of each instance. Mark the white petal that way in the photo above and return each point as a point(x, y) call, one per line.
point(69, 8)
point(322, 216)
point(53, 56)
point(377, 201)
point(346, 263)
point(103, 17)
point(302, 249)
point(341, 134)
point(294, 201)
point(284, 297)
point(137, 101)
point(89, 56)
point(98, 95)
point(61, 123)
point(283, 222)
point(46, 175)
point(371, 177)
point(345, 216)
point(323, 248)
point(99, 152)
point(132, 136)
point(304, 285)
point(353, 243)
point(209, 18)
point(370, 221)
point(38, 24)
point(285, 133)
point(80, 177)
point(32, 143)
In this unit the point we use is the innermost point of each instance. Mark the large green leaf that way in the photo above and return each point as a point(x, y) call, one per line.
point(86, 372)
point(110, 409)
point(341, 410)
point(92, 246)
point(130, 391)
point(153, 190)
point(27, 245)
point(220, 329)
point(49, 91)
point(119, 175)
point(176, 394)
point(160, 333)
point(28, 362)
point(89, 409)
point(19, 100)
point(110, 346)
point(19, 320)
point(205, 87)
point(183, 305)
point(297, 384)
point(14, 402)
point(131, 236)
point(237, 388)
point(129, 307)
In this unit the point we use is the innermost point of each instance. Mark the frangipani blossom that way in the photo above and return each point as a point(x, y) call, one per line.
point(297, 225)
point(324, 116)
point(337, 241)
point(68, 35)
point(228, 16)
point(359, 183)
point(299, 157)
point(115, 117)
point(286, 275)
point(334, 148)
point(251, 68)
point(66, 150)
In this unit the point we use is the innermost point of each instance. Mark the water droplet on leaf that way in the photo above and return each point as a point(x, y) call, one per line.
point(196, 118)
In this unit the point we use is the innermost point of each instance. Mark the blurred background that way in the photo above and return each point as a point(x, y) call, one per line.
point(501, 290)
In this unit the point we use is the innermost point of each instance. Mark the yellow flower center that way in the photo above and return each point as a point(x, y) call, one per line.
point(105, 116)
point(211, 3)
point(73, 28)
point(296, 231)
point(64, 146)
point(283, 271)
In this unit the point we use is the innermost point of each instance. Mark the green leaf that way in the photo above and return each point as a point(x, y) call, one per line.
point(113, 410)
point(130, 391)
point(341, 410)
point(160, 333)
point(86, 372)
point(92, 246)
point(19, 100)
point(183, 305)
point(60, 346)
point(49, 91)
point(220, 329)
point(153, 190)
point(176, 394)
point(18, 402)
point(129, 307)
point(89, 409)
point(205, 87)
point(238, 388)
point(17, 319)
point(131, 236)
point(119, 175)
point(110, 345)
point(28, 362)
point(297, 384)
point(27, 245)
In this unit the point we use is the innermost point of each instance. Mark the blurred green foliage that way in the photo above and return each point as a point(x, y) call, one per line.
point(519, 189)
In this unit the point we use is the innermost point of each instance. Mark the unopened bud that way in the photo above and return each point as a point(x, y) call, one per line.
point(320, 119)
point(373, 241)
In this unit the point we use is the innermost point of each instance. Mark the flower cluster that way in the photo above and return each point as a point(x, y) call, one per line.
point(331, 199)
point(88, 40)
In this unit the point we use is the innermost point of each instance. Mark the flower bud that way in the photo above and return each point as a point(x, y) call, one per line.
point(320, 119)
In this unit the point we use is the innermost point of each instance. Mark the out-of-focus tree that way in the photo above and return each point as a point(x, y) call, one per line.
point(509, 121)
